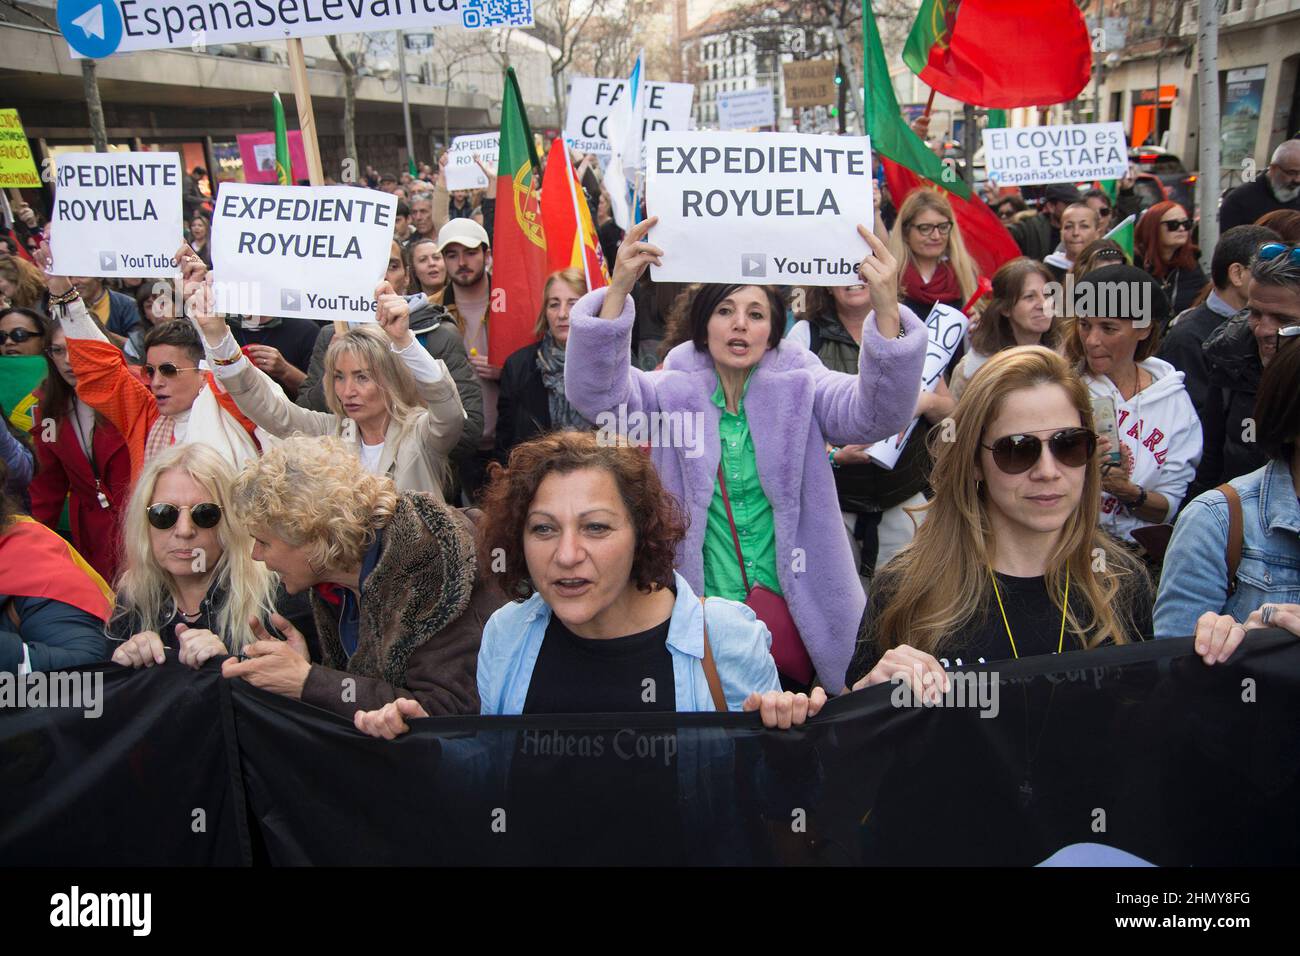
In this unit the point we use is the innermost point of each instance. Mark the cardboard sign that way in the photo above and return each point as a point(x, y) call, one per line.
point(743, 109)
point(100, 28)
point(17, 168)
point(586, 126)
point(778, 208)
point(117, 214)
point(1038, 155)
point(300, 251)
point(945, 327)
point(462, 171)
point(809, 83)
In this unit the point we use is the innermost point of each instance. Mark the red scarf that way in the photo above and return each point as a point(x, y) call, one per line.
point(942, 287)
point(35, 562)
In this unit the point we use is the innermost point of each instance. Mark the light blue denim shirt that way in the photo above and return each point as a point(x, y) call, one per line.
point(740, 643)
point(1195, 575)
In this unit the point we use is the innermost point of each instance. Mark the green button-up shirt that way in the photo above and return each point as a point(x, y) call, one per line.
point(755, 524)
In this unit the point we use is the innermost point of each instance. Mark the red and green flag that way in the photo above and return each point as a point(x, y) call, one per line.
point(20, 377)
point(1001, 53)
point(1123, 235)
point(518, 241)
point(910, 164)
point(282, 162)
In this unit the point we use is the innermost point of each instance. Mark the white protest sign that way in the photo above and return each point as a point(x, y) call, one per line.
point(100, 28)
point(1038, 155)
point(586, 125)
point(462, 172)
point(945, 327)
point(117, 214)
point(300, 251)
point(779, 208)
point(742, 109)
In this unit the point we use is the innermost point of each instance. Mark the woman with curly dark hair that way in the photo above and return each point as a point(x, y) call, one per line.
point(587, 529)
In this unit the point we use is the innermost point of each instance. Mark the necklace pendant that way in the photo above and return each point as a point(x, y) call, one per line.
point(103, 499)
point(1026, 794)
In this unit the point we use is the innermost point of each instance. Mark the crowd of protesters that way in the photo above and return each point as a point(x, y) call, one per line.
point(388, 509)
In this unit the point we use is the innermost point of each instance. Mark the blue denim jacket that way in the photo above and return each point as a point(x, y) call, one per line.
point(1195, 575)
point(740, 643)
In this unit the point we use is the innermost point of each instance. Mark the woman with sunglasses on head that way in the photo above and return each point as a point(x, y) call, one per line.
point(190, 582)
point(1159, 432)
point(1098, 253)
point(1004, 565)
point(83, 461)
point(1162, 245)
point(927, 243)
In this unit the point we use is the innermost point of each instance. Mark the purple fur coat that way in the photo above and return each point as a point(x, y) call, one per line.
point(795, 406)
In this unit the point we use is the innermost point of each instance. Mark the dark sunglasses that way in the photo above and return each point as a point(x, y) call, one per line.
point(168, 370)
point(1016, 454)
point(164, 516)
point(1178, 225)
point(1267, 252)
point(19, 336)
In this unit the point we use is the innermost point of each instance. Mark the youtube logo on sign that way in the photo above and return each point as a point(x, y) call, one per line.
point(108, 261)
point(291, 299)
point(753, 264)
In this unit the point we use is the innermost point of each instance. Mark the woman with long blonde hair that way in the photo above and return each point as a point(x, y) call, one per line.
point(1009, 561)
point(935, 265)
point(389, 400)
point(190, 581)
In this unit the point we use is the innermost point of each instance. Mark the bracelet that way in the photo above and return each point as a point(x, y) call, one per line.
point(227, 361)
point(830, 455)
point(1133, 506)
point(66, 297)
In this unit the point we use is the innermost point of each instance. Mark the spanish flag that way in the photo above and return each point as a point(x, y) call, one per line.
point(38, 563)
point(566, 221)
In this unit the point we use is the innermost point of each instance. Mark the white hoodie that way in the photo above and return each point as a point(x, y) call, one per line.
point(1163, 433)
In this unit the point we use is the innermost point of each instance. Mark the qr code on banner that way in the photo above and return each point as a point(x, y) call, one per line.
point(496, 13)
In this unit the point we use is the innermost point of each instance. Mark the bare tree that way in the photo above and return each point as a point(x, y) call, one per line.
point(615, 34)
point(454, 53)
point(349, 100)
point(569, 19)
point(89, 83)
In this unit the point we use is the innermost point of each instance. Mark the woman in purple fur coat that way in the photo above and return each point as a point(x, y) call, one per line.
point(736, 403)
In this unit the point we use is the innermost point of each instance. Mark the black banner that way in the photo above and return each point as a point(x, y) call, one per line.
point(1142, 748)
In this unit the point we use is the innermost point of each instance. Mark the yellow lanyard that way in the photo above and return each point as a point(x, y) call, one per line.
point(1065, 603)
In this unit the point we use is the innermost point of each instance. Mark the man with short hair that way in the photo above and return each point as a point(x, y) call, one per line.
point(388, 183)
point(422, 224)
point(466, 251)
point(1230, 272)
point(1236, 354)
point(116, 311)
point(403, 231)
point(1279, 188)
point(1079, 226)
point(1038, 236)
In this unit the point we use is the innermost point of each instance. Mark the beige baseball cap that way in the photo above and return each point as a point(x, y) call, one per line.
point(464, 231)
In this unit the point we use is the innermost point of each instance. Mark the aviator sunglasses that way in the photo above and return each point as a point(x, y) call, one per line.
point(167, 369)
point(1016, 454)
point(163, 516)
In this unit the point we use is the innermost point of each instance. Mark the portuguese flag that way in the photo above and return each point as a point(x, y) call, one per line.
point(283, 165)
point(1001, 53)
point(518, 241)
point(40, 564)
point(20, 376)
point(909, 163)
point(1123, 235)
point(566, 219)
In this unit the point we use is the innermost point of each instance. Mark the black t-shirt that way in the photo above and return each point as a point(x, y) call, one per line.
point(578, 675)
point(1034, 619)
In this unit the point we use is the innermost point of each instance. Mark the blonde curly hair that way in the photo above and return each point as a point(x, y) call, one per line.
point(315, 494)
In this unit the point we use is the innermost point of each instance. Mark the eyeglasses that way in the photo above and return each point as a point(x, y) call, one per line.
point(167, 369)
point(163, 516)
point(928, 229)
point(19, 336)
point(1267, 252)
point(1016, 454)
point(57, 352)
point(1177, 225)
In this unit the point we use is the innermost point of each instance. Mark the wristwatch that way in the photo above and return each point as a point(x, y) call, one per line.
point(1133, 506)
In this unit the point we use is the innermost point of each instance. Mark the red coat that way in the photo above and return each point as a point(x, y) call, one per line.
point(63, 470)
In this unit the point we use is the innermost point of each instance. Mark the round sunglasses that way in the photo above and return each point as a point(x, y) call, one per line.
point(1016, 454)
point(163, 516)
point(19, 336)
